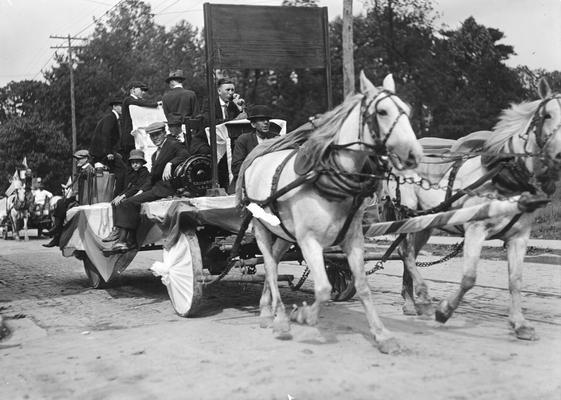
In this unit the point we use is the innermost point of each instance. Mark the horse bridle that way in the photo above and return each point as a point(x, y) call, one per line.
point(536, 125)
point(371, 120)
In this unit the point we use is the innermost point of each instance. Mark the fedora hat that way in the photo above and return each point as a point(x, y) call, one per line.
point(137, 154)
point(259, 111)
point(155, 128)
point(176, 75)
point(115, 102)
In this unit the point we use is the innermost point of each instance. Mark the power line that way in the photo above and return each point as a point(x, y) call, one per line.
point(71, 69)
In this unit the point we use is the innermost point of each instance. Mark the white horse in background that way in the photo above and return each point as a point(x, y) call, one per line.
point(528, 138)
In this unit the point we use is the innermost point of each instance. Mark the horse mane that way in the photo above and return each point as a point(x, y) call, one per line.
point(316, 135)
point(510, 123)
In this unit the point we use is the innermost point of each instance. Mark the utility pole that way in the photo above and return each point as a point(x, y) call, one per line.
point(72, 101)
point(348, 47)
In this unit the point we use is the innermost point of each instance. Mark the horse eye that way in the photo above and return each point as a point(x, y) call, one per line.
point(382, 113)
point(547, 116)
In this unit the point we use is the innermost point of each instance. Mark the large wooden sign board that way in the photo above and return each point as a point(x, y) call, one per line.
point(263, 37)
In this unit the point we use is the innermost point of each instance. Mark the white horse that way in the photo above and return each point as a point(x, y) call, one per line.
point(20, 202)
point(528, 138)
point(325, 203)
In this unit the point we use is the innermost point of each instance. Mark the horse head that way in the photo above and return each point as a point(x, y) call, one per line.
point(386, 121)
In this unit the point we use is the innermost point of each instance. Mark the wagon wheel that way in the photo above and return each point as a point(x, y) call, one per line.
point(341, 279)
point(94, 277)
point(185, 282)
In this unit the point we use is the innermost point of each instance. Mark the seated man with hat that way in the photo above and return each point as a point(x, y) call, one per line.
point(72, 187)
point(259, 117)
point(179, 105)
point(126, 214)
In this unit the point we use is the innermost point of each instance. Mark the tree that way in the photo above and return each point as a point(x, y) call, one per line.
point(22, 98)
point(41, 142)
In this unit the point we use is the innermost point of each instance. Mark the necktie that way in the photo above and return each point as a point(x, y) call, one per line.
point(225, 111)
point(157, 153)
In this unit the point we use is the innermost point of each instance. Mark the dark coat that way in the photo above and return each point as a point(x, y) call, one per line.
point(127, 140)
point(126, 214)
point(179, 104)
point(171, 151)
point(106, 137)
point(232, 109)
point(244, 144)
point(137, 180)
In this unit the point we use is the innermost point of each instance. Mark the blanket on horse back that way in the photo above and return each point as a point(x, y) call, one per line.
point(440, 154)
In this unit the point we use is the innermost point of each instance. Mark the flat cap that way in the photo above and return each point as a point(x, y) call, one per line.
point(81, 154)
point(138, 84)
point(155, 128)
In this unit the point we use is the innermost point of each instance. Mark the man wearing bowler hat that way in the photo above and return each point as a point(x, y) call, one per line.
point(136, 93)
point(179, 104)
point(259, 117)
point(105, 144)
point(169, 154)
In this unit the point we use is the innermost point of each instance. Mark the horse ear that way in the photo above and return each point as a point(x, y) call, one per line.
point(543, 88)
point(389, 83)
point(366, 86)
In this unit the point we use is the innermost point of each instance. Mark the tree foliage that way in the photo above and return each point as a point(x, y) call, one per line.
point(456, 80)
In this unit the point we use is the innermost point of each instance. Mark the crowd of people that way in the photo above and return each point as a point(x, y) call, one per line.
point(112, 149)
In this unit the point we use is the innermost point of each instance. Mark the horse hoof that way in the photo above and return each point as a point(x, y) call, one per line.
point(409, 309)
point(265, 322)
point(389, 346)
point(526, 333)
point(424, 309)
point(442, 312)
point(281, 329)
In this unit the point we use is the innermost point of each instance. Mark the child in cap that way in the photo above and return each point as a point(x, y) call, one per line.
point(138, 178)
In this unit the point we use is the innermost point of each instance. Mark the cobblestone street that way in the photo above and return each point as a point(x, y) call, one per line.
point(125, 342)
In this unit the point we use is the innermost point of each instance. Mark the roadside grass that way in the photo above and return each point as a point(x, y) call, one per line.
point(548, 220)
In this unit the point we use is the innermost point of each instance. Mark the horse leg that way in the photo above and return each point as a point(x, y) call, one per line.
point(423, 303)
point(266, 313)
point(516, 250)
point(406, 280)
point(353, 246)
point(15, 229)
point(474, 236)
point(25, 234)
point(312, 251)
point(270, 302)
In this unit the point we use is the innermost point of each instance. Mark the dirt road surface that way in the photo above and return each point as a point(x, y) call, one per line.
point(125, 342)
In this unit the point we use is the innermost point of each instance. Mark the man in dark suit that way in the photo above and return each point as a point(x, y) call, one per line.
point(105, 145)
point(169, 154)
point(259, 117)
point(137, 91)
point(227, 107)
point(180, 105)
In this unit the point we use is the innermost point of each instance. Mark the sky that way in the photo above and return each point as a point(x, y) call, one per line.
point(531, 26)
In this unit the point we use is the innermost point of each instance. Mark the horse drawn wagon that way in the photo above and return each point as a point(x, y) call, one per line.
point(303, 196)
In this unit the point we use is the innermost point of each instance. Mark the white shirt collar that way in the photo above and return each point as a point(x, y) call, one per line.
point(177, 85)
point(134, 96)
point(116, 113)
